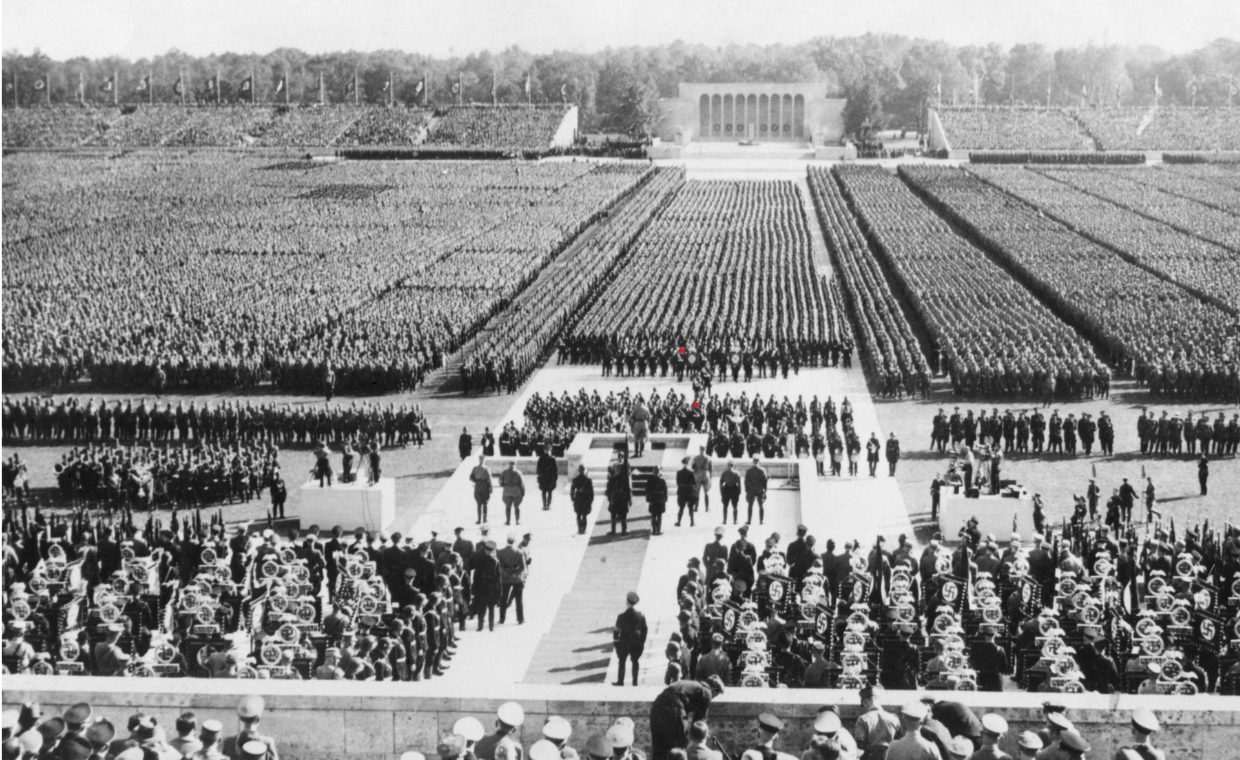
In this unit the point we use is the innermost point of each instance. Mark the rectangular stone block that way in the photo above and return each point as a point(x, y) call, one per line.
point(304, 731)
point(421, 730)
point(369, 733)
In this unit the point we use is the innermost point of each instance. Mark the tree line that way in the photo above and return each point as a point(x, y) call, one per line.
point(890, 79)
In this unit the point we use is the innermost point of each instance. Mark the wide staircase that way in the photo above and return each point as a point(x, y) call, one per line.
point(579, 645)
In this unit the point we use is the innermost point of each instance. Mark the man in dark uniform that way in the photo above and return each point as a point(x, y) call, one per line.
point(675, 709)
point(730, 491)
point(989, 660)
point(629, 637)
point(893, 454)
point(714, 550)
point(581, 491)
point(686, 492)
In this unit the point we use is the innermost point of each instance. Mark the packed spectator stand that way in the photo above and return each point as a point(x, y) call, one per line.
point(994, 127)
point(1090, 128)
point(508, 129)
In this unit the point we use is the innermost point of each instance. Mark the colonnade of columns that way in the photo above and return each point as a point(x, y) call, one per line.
point(751, 117)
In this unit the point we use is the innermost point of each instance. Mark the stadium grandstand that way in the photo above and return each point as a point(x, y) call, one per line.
point(524, 129)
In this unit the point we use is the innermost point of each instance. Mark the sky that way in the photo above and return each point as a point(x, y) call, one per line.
point(139, 28)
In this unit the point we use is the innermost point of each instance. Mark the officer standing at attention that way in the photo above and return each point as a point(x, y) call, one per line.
point(702, 471)
point(629, 636)
point(686, 492)
point(872, 448)
point(893, 454)
point(480, 476)
point(730, 492)
point(755, 490)
point(581, 491)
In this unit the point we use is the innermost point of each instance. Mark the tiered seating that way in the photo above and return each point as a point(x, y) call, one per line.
point(1168, 128)
point(1012, 129)
point(386, 126)
point(498, 127)
point(55, 127)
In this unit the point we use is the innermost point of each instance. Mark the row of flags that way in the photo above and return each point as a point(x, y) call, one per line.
point(246, 91)
point(1232, 89)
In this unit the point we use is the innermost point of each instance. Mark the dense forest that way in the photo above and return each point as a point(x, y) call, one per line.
point(888, 79)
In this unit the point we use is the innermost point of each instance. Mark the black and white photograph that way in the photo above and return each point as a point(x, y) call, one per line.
point(437, 350)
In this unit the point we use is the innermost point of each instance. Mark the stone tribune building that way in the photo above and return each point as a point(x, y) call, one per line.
point(792, 112)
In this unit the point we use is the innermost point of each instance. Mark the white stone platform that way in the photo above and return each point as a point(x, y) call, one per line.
point(349, 505)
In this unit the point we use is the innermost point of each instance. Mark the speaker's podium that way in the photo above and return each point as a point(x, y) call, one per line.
point(349, 505)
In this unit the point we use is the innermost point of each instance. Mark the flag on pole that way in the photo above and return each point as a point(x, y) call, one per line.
point(1084, 90)
point(108, 85)
point(456, 87)
point(387, 85)
point(527, 85)
point(211, 84)
point(1157, 87)
point(418, 90)
point(564, 91)
point(280, 85)
point(176, 87)
point(144, 83)
point(39, 85)
point(247, 88)
point(348, 87)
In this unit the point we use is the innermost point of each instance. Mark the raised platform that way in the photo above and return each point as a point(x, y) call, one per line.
point(350, 719)
point(996, 515)
point(349, 505)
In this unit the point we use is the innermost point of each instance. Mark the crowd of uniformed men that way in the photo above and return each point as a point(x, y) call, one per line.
point(73, 420)
point(1083, 609)
point(925, 729)
point(192, 599)
point(737, 426)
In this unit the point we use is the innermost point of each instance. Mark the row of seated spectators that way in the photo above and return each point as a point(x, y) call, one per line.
point(1087, 129)
point(1012, 128)
point(522, 128)
point(509, 127)
point(1167, 128)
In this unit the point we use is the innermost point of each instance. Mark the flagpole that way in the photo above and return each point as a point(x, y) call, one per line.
point(116, 88)
point(17, 100)
point(357, 96)
point(286, 87)
point(217, 87)
point(47, 89)
point(81, 93)
point(150, 87)
point(322, 94)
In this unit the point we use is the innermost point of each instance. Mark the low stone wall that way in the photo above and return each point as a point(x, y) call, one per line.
point(343, 719)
